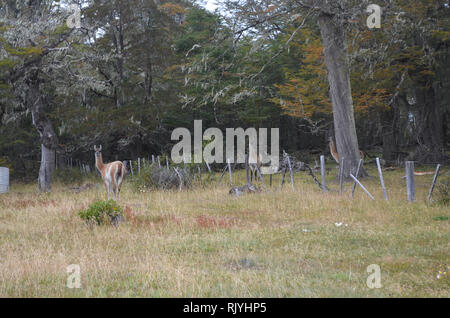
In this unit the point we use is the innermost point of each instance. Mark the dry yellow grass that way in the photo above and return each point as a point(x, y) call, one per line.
point(204, 243)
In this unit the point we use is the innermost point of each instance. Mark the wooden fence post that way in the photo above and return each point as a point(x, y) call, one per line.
point(246, 169)
point(381, 179)
point(207, 166)
point(322, 172)
point(357, 175)
point(284, 175)
point(139, 166)
point(223, 173)
point(258, 172)
point(410, 185)
point(159, 163)
point(179, 176)
point(362, 187)
point(229, 170)
point(436, 174)
point(131, 166)
point(153, 159)
point(290, 172)
point(341, 174)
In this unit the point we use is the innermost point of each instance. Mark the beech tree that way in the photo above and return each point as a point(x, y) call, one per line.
point(32, 33)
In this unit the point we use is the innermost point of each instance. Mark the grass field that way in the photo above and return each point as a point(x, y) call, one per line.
point(203, 242)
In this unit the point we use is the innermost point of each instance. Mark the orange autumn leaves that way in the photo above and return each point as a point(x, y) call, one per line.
point(305, 90)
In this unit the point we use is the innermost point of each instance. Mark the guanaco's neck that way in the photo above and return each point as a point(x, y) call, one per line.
point(333, 150)
point(99, 162)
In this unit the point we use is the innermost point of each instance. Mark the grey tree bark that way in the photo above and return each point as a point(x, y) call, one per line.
point(336, 60)
point(36, 103)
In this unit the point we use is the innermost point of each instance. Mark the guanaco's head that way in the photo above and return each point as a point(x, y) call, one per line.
point(98, 151)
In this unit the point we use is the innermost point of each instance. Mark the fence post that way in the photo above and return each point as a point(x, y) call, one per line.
point(322, 172)
point(159, 163)
point(357, 175)
point(362, 187)
point(207, 166)
point(284, 175)
point(246, 169)
point(167, 163)
point(410, 185)
point(381, 179)
point(139, 166)
point(229, 170)
point(131, 166)
point(258, 172)
point(341, 174)
point(436, 174)
point(290, 171)
point(153, 159)
point(223, 173)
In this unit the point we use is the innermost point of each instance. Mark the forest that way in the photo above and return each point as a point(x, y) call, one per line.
point(133, 71)
point(99, 196)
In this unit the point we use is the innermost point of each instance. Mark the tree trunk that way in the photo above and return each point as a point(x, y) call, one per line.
point(48, 138)
point(336, 60)
point(46, 169)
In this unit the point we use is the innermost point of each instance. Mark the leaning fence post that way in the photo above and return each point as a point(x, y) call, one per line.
point(410, 185)
point(381, 179)
point(341, 174)
point(258, 172)
point(207, 166)
point(322, 172)
point(223, 173)
point(362, 187)
point(290, 172)
point(357, 175)
point(229, 170)
point(436, 174)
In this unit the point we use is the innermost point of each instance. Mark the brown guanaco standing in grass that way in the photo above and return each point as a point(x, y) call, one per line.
point(113, 174)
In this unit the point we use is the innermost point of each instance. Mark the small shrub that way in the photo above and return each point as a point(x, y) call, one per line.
point(441, 193)
point(100, 212)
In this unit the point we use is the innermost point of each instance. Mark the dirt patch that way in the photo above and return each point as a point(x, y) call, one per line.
point(207, 222)
point(137, 219)
point(22, 204)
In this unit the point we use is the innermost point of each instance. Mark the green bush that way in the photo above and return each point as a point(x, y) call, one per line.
point(101, 212)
